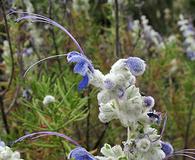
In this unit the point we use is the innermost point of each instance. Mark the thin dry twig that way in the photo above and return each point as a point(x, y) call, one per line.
point(10, 47)
point(101, 136)
point(117, 41)
point(4, 117)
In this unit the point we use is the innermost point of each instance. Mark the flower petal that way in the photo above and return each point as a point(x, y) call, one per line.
point(75, 57)
point(81, 68)
point(83, 83)
point(167, 148)
point(80, 153)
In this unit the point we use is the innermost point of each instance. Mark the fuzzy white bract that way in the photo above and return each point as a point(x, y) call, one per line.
point(6, 153)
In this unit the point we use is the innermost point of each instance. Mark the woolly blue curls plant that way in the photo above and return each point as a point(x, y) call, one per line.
point(118, 98)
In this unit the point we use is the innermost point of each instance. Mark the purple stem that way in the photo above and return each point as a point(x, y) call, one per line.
point(45, 133)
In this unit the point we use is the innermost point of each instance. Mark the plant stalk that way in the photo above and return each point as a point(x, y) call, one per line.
point(117, 41)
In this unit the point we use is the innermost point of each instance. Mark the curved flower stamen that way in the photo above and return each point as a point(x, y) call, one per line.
point(185, 155)
point(40, 18)
point(46, 133)
point(44, 59)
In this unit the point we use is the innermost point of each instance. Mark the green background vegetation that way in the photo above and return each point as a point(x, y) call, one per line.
point(169, 78)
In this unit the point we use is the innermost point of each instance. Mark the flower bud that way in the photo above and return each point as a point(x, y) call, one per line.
point(149, 101)
point(136, 65)
point(167, 148)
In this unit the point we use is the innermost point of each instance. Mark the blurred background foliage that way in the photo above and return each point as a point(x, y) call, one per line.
point(169, 78)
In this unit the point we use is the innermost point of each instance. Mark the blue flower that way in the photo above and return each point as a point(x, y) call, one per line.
point(83, 67)
point(81, 153)
point(167, 148)
point(136, 65)
point(155, 117)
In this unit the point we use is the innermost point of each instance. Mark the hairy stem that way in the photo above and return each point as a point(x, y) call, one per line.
point(128, 133)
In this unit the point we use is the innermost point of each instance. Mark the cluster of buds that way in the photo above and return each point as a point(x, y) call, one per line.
point(188, 32)
point(120, 99)
point(6, 153)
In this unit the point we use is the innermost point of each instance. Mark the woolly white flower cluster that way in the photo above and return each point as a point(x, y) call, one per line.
point(120, 99)
point(189, 35)
point(149, 36)
point(6, 153)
